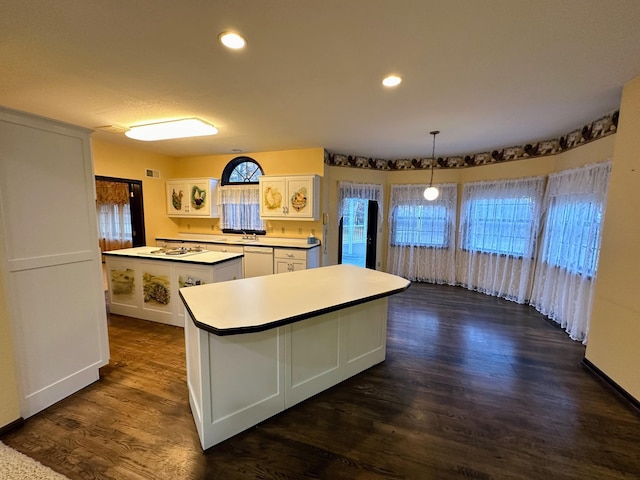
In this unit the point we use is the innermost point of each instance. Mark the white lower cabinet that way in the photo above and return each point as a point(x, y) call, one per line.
point(237, 381)
point(292, 259)
point(148, 289)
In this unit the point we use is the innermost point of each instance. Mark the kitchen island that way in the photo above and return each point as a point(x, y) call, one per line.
point(143, 282)
point(258, 346)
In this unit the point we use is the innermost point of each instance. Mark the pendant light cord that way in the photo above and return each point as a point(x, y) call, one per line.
point(433, 154)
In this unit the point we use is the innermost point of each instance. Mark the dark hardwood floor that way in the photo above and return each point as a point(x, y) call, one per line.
point(473, 387)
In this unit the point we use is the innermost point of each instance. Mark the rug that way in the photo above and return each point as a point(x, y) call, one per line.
point(16, 466)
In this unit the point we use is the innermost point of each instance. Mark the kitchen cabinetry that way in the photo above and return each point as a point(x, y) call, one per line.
point(258, 261)
point(291, 260)
point(294, 197)
point(224, 248)
point(142, 287)
point(192, 197)
point(247, 361)
point(50, 261)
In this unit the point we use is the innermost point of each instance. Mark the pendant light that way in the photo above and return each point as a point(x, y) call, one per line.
point(431, 192)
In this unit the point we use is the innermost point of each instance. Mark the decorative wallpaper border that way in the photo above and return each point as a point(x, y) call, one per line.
point(595, 130)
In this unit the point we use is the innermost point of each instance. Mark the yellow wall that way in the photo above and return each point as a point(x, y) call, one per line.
point(614, 337)
point(126, 162)
point(114, 160)
point(592, 152)
point(287, 162)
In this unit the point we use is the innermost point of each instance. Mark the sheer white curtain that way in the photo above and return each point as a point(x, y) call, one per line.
point(114, 215)
point(240, 207)
point(574, 205)
point(422, 234)
point(364, 191)
point(499, 223)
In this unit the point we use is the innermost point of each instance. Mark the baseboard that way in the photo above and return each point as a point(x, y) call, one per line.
point(11, 426)
point(621, 391)
point(59, 389)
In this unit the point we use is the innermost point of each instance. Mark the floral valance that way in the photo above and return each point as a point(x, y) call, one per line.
point(112, 193)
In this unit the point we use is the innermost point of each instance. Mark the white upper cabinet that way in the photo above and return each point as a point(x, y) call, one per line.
point(294, 197)
point(192, 197)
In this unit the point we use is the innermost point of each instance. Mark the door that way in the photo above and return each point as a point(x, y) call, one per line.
point(357, 233)
point(121, 215)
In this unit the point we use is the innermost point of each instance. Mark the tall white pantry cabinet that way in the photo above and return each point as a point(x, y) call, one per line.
point(50, 258)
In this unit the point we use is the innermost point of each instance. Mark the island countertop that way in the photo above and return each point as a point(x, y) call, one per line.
point(204, 257)
point(261, 303)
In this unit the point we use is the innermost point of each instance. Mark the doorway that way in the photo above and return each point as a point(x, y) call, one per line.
point(120, 211)
point(357, 233)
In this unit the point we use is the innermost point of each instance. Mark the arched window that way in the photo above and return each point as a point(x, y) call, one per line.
point(241, 170)
point(240, 197)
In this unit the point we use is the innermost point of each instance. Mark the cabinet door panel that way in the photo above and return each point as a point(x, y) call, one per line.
point(199, 198)
point(192, 197)
point(300, 197)
point(189, 276)
point(177, 198)
point(272, 197)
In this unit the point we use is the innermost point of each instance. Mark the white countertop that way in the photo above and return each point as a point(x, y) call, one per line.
point(206, 257)
point(261, 303)
point(231, 239)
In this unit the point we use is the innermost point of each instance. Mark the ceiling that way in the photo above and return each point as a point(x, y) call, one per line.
point(487, 74)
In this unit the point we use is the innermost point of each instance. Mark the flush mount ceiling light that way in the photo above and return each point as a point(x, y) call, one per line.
point(183, 128)
point(232, 40)
point(431, 192)
point(392, 80)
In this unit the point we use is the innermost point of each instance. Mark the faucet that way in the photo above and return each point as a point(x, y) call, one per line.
point(246, 236)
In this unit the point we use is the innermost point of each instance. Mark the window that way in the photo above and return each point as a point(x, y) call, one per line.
point(422, 233)
point(501, 217)
point(241, 170)
point(420, 225)
point(572, 235)
point(239, 197)
point(501, 225)
point(114, 214)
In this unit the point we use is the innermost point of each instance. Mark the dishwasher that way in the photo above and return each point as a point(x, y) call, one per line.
point(258, 261)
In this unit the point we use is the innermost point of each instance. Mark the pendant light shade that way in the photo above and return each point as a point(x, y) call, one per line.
point(431, 192)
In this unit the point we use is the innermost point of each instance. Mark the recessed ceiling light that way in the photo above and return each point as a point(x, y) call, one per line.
point(186, 127)
point(232, 40)
point(392, 80)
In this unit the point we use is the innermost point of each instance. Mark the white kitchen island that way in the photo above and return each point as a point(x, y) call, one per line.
point(257, 346)
point(143, 282)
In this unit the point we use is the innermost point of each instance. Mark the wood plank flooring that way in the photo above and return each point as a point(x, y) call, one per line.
point(473, 387)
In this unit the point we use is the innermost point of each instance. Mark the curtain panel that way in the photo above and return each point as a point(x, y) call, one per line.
point(240, 207)
point(364, 191)
point(114, 215)
point(574, 206)
point(424, 248)
point(499, 224)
